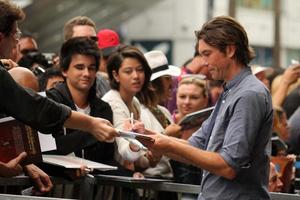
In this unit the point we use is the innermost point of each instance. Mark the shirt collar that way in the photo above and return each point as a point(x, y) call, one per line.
point(238, 78)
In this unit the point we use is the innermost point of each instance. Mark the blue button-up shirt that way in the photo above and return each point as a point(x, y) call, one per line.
point(241, 135)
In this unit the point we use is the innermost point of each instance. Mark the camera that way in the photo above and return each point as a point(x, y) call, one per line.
point(35, 61)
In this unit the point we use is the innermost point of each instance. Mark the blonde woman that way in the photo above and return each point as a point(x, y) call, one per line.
point(192, 95)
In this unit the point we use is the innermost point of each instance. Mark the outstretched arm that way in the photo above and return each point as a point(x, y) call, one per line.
point(290, 76)
point(101, 129)
point(182, 151)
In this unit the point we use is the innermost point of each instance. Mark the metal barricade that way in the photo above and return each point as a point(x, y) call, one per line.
point(18, 197)
point(88, 183)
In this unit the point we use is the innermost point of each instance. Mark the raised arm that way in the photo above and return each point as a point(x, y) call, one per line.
point(290, 76)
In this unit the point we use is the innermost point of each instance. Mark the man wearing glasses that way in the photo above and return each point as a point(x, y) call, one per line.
point(27, 44)
point(80, 26)
point(36, 111)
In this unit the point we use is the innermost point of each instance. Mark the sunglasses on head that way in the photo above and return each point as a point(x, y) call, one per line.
point(95, 38)
point(27, 51)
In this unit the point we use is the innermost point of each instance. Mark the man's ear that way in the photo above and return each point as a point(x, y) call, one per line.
point(230, 50)
point(115, 75)
point(64, 73)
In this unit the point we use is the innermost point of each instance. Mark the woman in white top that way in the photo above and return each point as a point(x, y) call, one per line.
point(154, 116)
point(128, 73)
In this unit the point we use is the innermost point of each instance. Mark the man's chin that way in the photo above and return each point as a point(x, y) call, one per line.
point(85, 88)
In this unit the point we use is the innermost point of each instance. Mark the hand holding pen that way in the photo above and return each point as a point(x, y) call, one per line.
point(133, 125)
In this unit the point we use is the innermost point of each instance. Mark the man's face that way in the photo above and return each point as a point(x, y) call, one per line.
point(217, 62)
point(27, 45)
point(84, 31)
point(201, 69)
point(53, 81)
point(81, 74)
point(275, 184)
point(9, 42)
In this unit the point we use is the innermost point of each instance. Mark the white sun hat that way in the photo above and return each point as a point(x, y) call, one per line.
point(159, 65)
point(257, 69)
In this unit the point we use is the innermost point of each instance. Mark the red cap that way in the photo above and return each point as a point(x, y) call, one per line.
point(107, 41)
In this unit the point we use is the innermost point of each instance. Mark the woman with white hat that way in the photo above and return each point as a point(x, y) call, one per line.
point(154, 116)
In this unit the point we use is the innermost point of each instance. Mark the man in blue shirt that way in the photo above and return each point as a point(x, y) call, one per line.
point(233, 144)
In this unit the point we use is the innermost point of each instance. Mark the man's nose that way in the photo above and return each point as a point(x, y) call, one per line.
point(86, 71)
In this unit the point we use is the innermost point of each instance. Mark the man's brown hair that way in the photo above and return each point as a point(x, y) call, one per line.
point(222, 31)
point(9, 14)
point(76, 21)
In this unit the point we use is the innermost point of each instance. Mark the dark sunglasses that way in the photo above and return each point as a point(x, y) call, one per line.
point(27, 51)
point(95, 38)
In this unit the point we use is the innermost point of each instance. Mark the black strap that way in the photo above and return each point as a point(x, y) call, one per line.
point(160, 68)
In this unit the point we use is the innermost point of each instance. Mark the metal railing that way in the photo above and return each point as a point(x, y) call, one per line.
point(88, 183)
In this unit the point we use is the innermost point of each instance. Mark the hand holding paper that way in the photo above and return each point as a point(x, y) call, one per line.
point(134, 135)
point(132, 128)
point(159, 144)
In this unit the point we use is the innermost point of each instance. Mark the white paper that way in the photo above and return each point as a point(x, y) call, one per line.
point(133, 135)
point(47, 142)
point(75, 162)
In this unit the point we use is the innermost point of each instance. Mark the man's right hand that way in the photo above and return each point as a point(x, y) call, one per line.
point(8, 63)
point(100, 128)
point(13, 167)
point(103, 130)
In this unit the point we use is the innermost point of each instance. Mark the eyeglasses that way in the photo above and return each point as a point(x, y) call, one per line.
point(94, 38)
point(27, 51)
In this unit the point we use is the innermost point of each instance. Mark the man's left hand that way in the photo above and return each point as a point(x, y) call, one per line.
point(41, 179)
